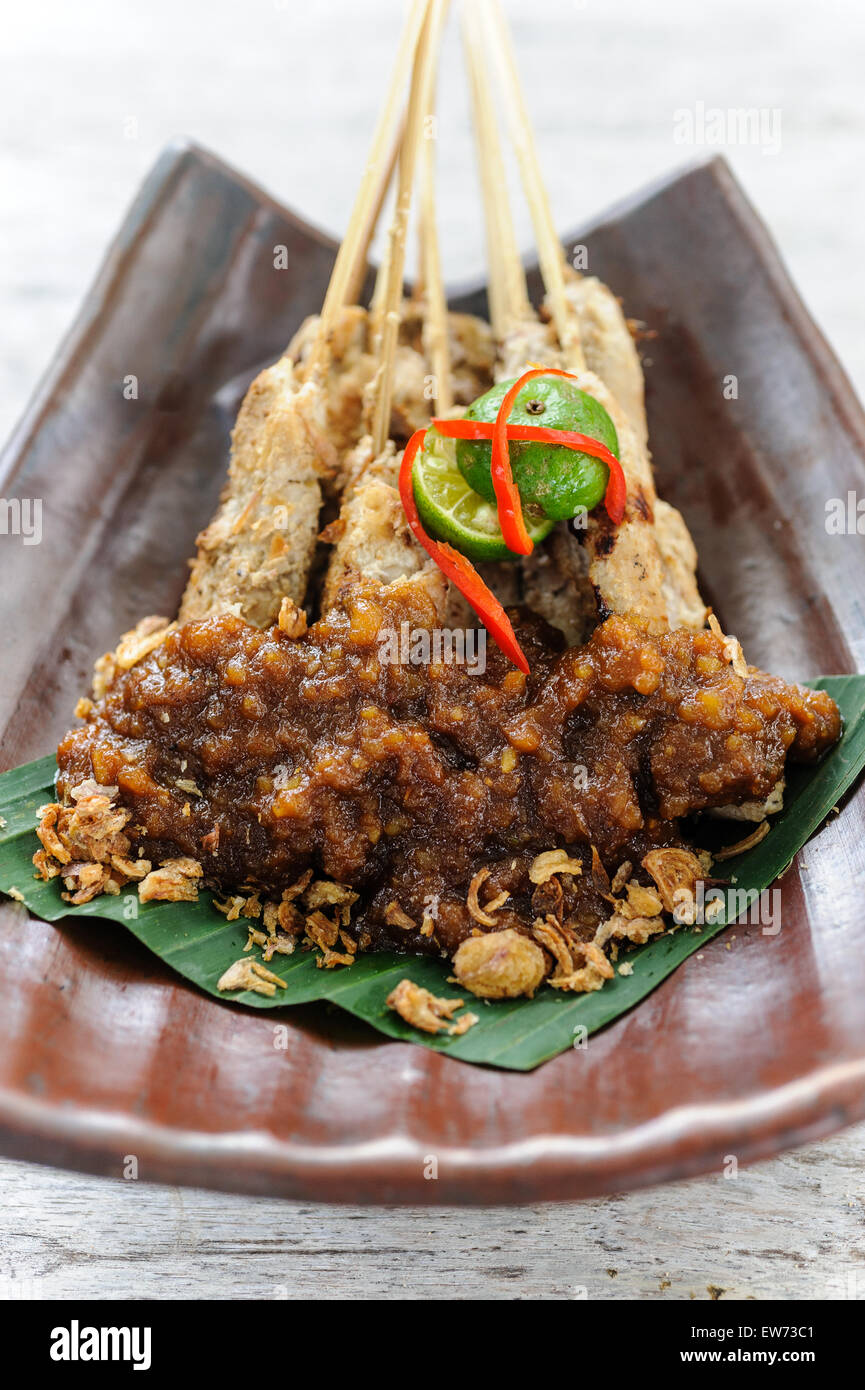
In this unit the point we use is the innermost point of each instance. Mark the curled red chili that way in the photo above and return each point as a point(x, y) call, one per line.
point(456, 567)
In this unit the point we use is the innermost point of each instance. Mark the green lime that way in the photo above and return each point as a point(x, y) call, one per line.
point(559, 481)
point(452, 511)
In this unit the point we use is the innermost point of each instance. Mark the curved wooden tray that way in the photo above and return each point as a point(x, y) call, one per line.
point(755, 1044)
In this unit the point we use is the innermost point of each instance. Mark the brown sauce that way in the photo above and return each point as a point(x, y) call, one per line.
point(261, 755)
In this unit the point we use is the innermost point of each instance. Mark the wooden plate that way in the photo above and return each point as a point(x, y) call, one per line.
point(755, 1044)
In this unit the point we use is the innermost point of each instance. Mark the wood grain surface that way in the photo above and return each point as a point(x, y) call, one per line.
point(92, 92)
point(793, 1228)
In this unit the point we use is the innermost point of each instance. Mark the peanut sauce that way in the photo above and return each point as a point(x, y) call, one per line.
point(261, 755)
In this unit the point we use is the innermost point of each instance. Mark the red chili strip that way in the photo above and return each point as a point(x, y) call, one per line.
point(456, 567)
point(508, 500)
point(616, 493)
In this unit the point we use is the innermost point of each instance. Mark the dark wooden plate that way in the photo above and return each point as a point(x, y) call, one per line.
point(755, 1044)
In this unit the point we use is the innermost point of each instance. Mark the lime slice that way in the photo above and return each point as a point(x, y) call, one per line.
point(452, 511)
point(560, 482)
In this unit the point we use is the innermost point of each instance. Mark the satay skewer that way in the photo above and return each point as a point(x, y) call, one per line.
point(647, 564)
point(384, 179)
point(258, 549)
point(350, 265)
point(550, 254)
point(387, 301)
point(595, 315)
point(556, 579)
point(393, 285)
point(372, 539)
point(588, 319)
point(519, 334)
point(436, 338)
point(507, 291)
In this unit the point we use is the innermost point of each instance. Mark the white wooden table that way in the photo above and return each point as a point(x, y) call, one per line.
point(288, 92)
point(792, 1228)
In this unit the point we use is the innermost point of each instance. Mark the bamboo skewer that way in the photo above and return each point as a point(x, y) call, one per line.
point(508, 295)
point(384, 179)
point(392, 280)
point(428, 283)
point(436, 328)
point(635, 573)
point(254, 553)
point(436, 337)
point(520, 335)
point(373, 541)
point(550, 254)
point(350, 264)
point(429, 116)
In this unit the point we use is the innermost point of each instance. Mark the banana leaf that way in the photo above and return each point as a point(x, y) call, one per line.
point(198, 942)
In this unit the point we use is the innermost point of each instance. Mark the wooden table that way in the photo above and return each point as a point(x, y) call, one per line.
point(792, 1228)
point(91, 94)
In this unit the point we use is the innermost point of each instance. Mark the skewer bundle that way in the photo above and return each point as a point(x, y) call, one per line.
point(317, 439)
point(295, 438)
point(319, 424)
point(648, 564)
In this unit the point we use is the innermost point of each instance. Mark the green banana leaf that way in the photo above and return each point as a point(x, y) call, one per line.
point(197, 941)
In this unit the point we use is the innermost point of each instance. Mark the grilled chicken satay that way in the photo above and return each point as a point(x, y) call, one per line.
point(610, 357)
point(520, 337)
point(610, 352)
point(647, 564)
point(258, 548)
point(554, 581)
point(372, 540)
point(356, 340)
point(608, 344)
point(354, 366)
point(296, 424)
